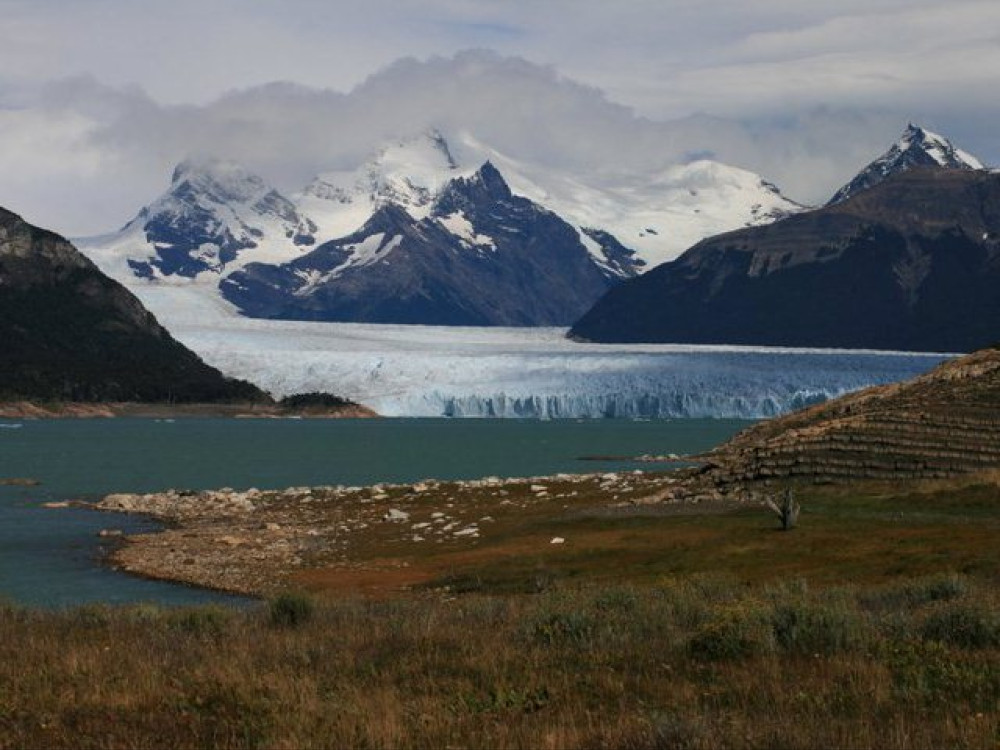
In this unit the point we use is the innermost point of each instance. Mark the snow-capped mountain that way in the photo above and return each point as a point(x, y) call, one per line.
point(917, 147)
point(408, 173)
point(215, 217)
point(658, 214)
point(911, 264)
point(479, 255)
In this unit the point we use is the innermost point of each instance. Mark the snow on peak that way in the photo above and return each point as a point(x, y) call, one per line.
point(215, 216)
point(408, 172)
point(221, 180)
point(659, 214)
point(917, 147)
point(939, 148)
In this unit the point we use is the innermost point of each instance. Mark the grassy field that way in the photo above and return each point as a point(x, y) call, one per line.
point(876, 623)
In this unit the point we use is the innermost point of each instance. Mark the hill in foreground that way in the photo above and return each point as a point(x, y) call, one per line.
point(70, 333)
point(938, 425)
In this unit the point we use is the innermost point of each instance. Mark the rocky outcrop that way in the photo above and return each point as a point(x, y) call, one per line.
point(939, 425)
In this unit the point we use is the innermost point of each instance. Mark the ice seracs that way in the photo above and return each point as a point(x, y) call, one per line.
point(917, 147)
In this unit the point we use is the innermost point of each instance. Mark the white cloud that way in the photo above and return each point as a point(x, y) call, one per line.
point(109, 94)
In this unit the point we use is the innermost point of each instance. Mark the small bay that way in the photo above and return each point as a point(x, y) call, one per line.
point(51, 557)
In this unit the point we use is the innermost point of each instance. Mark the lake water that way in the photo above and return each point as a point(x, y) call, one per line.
point(51, 557)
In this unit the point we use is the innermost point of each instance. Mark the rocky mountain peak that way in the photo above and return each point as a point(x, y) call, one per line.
point(916, 147)
point(484, 187)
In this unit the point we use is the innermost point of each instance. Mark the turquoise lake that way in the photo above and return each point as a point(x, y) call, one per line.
point(51, 557)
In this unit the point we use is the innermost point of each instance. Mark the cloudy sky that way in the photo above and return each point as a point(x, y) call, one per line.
point(99, 98)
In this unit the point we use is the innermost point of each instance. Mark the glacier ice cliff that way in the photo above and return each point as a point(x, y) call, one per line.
point(428, 371)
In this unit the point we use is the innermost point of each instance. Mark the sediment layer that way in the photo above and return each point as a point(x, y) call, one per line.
point(940, 425)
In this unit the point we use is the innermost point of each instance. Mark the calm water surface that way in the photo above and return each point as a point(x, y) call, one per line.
point(50, 557)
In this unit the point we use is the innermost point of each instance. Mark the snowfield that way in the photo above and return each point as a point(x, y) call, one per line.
point(423, 371)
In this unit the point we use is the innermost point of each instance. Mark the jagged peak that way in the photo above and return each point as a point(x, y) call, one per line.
point(916, 147)
point(386, 217)
point(936, 146)
point(489, 177)
point(485, 185)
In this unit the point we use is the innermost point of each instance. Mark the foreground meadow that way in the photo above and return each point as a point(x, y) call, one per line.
point(876, 623)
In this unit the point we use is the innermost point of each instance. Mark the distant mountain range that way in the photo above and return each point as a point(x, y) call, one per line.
point(69, 333)
point(415, 236)
point(412, 236)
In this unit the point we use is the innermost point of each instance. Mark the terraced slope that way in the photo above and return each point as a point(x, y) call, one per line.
point(938, 425)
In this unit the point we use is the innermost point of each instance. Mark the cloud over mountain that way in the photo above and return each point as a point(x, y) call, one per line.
point(803, 93)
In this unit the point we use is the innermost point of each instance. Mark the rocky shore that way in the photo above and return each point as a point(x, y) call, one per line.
point(256, 542)
point(940, 425)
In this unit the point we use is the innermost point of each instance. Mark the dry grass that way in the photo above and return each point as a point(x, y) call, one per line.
point(874, 624)
point(703, 663)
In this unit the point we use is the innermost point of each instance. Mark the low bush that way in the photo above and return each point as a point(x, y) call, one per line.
point(291, 610)
point(575, 628)
point(732, 635)
point(207, 620)
point(963, 625)
point(816, 628)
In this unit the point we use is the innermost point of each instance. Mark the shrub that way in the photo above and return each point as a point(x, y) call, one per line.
point(563, 627)
point(734, 635)
point(202, 620)
point(617, 600)
point(291, 610)
point(916, 593)
point(816, 628)
point(963, 626)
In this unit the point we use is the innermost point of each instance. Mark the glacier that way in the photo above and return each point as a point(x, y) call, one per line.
point(428, 371)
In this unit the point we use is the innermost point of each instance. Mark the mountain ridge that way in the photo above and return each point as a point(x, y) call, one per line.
point(480, 256)
point(70, 333)
point(881, 270)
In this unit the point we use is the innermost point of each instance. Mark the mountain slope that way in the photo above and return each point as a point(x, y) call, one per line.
point(215, 216)
point(480, 256)
point(917, 147)
point(937, 425)
point(911, 264)
point(69, 333)
point(408, 173)
point(659, 213)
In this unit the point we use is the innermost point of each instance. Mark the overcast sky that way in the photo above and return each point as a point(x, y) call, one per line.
point(98, 98)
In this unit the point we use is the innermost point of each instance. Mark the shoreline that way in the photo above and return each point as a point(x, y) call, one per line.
point(111, 410)
point(382, 538)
